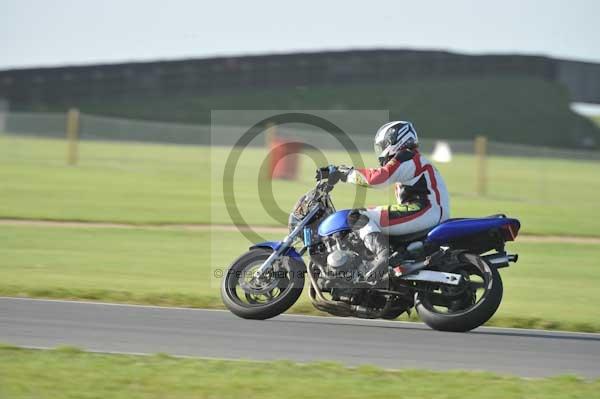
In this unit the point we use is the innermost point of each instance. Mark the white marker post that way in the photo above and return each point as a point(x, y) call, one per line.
point(442, 152)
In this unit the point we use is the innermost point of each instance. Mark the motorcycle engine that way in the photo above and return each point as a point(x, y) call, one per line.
point(343, 260)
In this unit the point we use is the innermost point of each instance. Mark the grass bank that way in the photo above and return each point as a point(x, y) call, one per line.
point(70, 373)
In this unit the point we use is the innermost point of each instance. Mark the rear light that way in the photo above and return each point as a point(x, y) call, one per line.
point(510, 231)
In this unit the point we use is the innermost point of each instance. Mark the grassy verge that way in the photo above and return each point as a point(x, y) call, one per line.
point(70, 373)
point(551, 287)
point(145, 183)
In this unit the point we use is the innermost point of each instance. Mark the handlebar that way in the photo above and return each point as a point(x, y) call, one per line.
point(324, 186)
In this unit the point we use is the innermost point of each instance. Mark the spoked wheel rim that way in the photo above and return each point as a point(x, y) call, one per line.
point(476, 284)
point(244, 289)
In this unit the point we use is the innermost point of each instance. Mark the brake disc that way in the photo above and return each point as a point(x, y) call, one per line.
point(250, 287)
point(256, 286)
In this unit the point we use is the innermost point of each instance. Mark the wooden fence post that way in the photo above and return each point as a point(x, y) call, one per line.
point(270, 135)
point(72, 136)
point(480, 165)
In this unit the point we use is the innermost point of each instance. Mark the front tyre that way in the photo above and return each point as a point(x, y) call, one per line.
point(463, 311)
point(259, 300)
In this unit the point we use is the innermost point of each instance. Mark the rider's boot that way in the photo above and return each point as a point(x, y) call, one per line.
point(376, 272)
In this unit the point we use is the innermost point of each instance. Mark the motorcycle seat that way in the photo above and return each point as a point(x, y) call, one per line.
point(395, 240)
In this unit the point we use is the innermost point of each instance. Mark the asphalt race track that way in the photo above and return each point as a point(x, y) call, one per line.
point(220, 334)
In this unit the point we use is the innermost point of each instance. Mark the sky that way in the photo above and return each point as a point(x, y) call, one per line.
point(66, 32)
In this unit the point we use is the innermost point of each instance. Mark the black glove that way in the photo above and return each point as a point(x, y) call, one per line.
point(324, 172)
point(333, 173)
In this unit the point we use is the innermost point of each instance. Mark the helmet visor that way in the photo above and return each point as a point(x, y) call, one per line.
point(383, 143)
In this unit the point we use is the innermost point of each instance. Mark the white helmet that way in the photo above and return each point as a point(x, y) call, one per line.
point(393, 137)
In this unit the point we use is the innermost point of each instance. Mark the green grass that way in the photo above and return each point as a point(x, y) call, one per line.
point(72, 374)
point(119, 182)
point(552, 286)
point(145, 183)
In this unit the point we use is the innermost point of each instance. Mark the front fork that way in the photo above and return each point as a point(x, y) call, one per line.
point(285, 244)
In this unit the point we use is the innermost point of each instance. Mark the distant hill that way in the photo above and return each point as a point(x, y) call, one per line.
point(511, 98)
point(517, 110)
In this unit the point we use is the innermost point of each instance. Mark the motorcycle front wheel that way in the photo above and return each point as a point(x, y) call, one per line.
point(467, 306)
point(249, 298)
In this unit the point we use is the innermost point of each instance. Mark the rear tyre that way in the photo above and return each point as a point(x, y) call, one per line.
point(466, 312)
point(262, 300)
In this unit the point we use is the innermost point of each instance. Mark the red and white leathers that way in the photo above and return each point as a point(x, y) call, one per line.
point(423, 200)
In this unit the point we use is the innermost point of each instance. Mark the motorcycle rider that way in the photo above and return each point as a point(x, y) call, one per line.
point(421, 194)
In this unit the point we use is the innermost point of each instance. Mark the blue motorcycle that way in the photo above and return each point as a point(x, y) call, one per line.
point(449, 273)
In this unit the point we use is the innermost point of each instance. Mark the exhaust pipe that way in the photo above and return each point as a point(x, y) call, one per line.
point(501, 260)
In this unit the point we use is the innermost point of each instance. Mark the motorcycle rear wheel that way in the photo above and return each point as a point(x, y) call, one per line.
point(468, 311)
point(281, 291)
